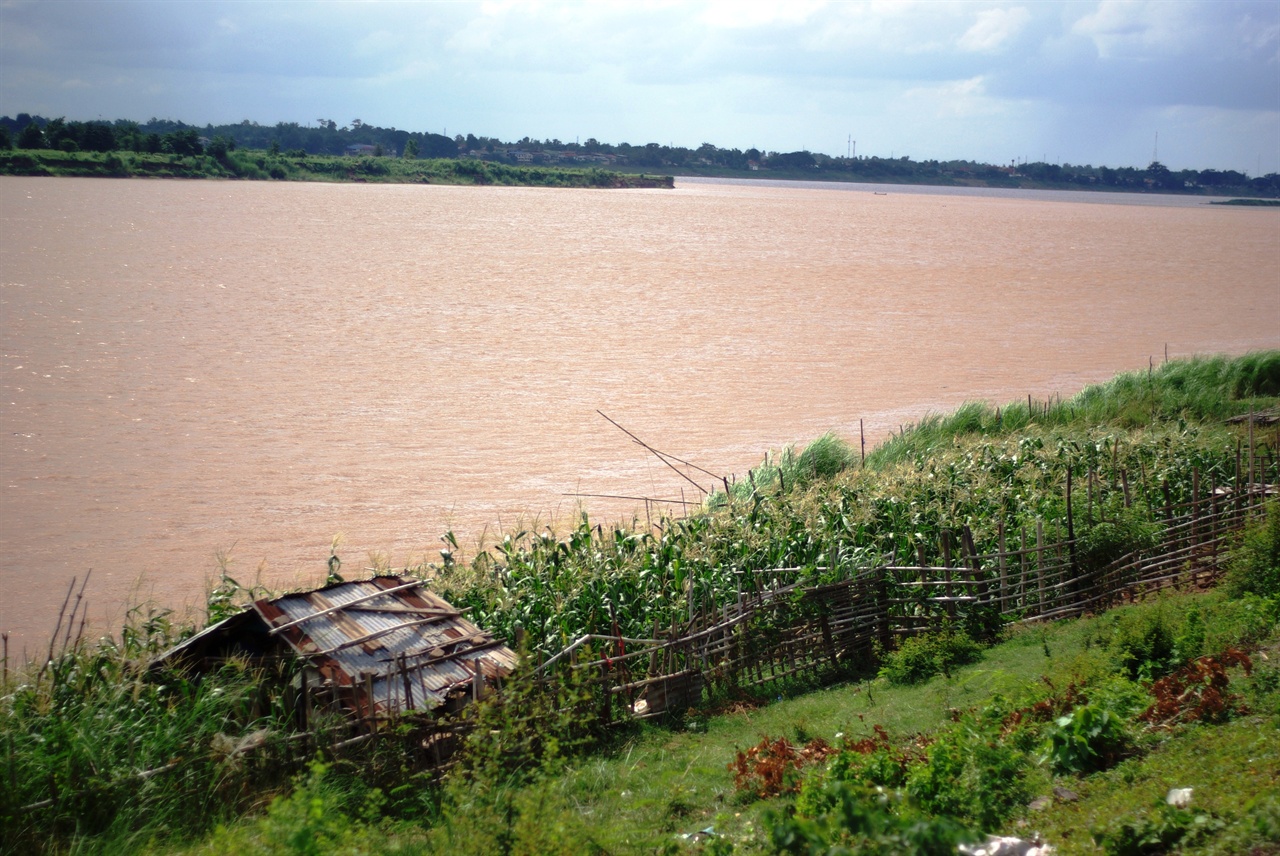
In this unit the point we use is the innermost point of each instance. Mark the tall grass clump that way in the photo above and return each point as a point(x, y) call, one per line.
point(102, 751)
point(821, 460)
point(1197, 389)
point(1255, 563)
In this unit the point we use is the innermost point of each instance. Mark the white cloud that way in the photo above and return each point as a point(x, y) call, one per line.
point(994, 27)
point(955, 98)
point(1136, 28)
point(748, 14)
point(985, 77)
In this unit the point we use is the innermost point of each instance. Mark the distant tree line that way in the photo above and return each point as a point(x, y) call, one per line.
point(326, 137)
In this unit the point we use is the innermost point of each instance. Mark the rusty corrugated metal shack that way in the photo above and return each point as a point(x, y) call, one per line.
point(375, 648)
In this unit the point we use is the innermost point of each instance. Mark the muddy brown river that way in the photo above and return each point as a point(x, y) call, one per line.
point(195, 367)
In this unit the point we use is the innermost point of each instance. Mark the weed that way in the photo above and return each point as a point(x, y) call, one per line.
point(919, 658)
point(971, 773)
point(868, 822)
point(525, 731)
point(1197, 692)
point(1255, 563)
point(1145, 643)
point(310, 821)
point(1158, 831)
point(770, 767)
point(1092, 738)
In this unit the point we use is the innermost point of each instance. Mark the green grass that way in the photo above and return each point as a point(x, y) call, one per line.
point(1197, 390)
point(657, 783)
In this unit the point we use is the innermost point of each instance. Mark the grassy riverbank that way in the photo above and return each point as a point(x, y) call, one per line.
point(977, 750)
point(262, 166)
point(101, 756)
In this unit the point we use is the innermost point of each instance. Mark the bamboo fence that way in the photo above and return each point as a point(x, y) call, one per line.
point(777, 632)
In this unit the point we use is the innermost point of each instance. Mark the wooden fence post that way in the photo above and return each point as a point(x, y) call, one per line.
point(1022, 564)
point(885, 628)
point(408, 684)
point(981, 589)
point(1040, 563)
point(950, 605)
point(1236, 489)
point(1071, 528)
point(1252, 452)
point(1004, 568)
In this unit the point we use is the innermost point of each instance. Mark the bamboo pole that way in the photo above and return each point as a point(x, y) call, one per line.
point(946, 571)
point(1022, 563)
point(1252, 453)
point(1004, 567)
point(1040, 561)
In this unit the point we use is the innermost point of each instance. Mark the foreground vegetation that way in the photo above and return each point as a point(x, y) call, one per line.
point(103, 756)
point(298, 166)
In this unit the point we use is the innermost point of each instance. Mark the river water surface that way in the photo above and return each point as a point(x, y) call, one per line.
point(253, 368)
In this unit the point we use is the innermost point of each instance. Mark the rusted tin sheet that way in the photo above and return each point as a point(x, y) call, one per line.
point(389, 634)
point(393, 635)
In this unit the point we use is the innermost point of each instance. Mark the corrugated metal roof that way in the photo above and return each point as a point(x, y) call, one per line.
point(414, 645)
point(388, 632)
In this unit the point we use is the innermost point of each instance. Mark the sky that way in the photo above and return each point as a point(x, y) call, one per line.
point(1197, 84)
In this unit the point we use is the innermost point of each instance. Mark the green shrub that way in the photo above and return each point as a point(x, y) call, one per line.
point(1265, 814)
point(884, 767)
point(866, 822)
point(1145, 643)
point(1129, 531)
point(308, 822)
point(1160, 831)
point(971, 773)
point(919, 658)
point(526, 730)
point(1255, 563)
point(1242, 621)
point(1092, 738)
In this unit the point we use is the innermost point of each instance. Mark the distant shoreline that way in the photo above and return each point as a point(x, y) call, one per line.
point(1254, 203)
point(258, 165)
point(976, 184)
point(264, 166)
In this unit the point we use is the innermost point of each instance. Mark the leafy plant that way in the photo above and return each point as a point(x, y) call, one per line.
point(1255, 563)
point(867, 822)
point(310, 821)
point(1092, 738)
point(1198, 691)
point(1145, 643)
point(873, 762)
point(919, 658)
point(970, 772)
point(1164, 828)
point(527, 729)
point(1129, 530)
